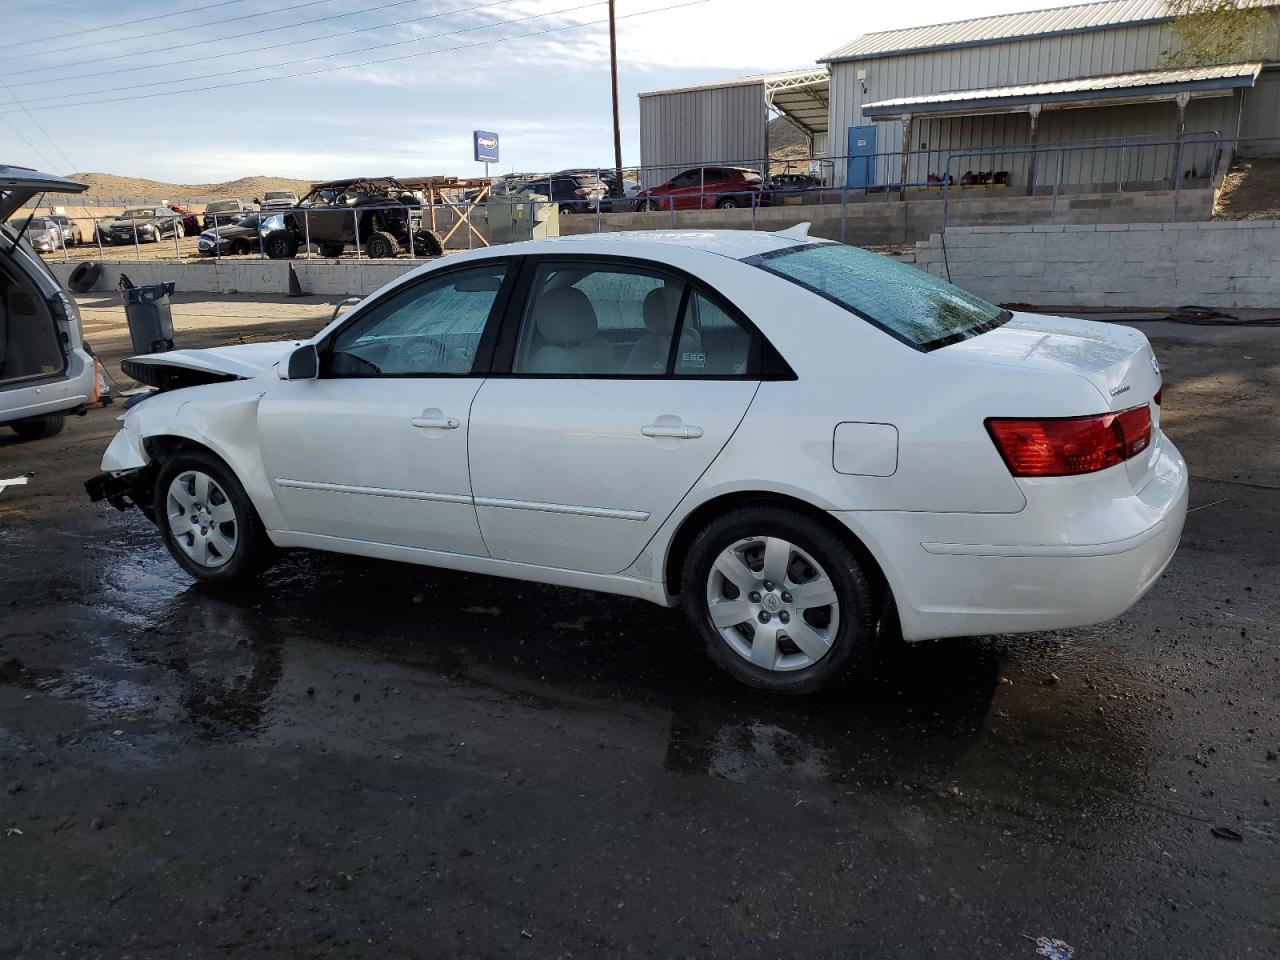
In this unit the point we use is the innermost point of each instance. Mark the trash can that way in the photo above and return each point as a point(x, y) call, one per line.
point(150, 319)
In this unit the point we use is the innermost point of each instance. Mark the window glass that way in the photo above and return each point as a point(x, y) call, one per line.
point(607, 321)
point(910, 304)
point(688, 178)
point(713, 175)
point(712, 343)
point(429, 329)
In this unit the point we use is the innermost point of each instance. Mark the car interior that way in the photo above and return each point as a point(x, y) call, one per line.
point(29, 344)
point(614, 322)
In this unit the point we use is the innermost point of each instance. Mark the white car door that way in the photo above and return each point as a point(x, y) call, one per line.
point(622, 385)
point(375, 449)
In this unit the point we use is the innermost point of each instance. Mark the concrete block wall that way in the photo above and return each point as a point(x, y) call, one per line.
point(1219, 264)
point(249, 275)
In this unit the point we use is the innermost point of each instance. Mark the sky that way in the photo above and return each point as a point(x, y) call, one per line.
point(210, 90)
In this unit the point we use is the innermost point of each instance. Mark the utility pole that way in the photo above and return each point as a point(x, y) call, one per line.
point(617, 126)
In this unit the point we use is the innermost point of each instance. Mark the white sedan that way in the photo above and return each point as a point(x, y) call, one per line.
point(797, 440)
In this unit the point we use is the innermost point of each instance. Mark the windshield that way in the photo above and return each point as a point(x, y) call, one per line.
point(906, 303)
point(277, 195)
point(138, 214)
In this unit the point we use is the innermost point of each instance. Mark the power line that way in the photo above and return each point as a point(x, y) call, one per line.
point(372, 63)
point(38, 152)
point(160, 33)
point(255, 33)
point(323, 56)
point(127, 23)
point(70, 166)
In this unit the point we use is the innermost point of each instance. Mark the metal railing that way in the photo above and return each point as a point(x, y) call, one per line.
point(1168, 164)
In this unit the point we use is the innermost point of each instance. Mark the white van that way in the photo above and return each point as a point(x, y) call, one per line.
point(45, 371)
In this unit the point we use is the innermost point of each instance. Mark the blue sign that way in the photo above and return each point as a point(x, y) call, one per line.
point(486, 145)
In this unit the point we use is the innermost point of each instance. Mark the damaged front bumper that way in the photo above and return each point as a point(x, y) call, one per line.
point(122, 490)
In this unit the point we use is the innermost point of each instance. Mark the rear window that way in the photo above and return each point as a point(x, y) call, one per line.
point(908, 304)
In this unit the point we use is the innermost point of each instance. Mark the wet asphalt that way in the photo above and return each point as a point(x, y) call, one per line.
point(361, 759)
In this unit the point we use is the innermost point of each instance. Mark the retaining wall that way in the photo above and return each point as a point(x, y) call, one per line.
point(1220, 264)
point(249, 275)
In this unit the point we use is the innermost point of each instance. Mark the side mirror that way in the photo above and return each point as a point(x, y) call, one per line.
point(302, 364)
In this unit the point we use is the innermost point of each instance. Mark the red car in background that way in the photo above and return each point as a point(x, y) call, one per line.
point(190, 222)
point(706, 188)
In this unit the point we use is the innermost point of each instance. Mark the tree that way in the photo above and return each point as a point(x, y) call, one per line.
point(1221, 31)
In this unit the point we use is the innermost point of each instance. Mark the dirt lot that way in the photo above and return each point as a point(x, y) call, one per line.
point(362, 759)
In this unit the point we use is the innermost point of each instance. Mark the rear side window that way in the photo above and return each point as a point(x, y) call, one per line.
point(908, 304)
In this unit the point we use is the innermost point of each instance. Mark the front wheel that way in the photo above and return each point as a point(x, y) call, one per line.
point(280, 245)
point(728, 203)
point(648, 206)
point(781, 602)
point(207, 520)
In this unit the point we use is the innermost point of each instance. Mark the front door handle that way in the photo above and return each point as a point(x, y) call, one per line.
point(678, 432)
point(436, 423)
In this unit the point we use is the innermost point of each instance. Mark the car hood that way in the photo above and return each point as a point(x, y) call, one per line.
point(230, 230)
point(1114, 358)
point(242, 361)
point(135, 221)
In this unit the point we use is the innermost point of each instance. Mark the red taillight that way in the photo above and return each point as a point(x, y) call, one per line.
point(1067, 446)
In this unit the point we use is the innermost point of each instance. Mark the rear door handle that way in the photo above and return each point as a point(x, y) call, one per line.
point(679, 433)
point(437, 423)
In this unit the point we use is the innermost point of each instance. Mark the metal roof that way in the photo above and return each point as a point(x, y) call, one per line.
point(1009, 26)
point(1142, 83)
point(800, 94)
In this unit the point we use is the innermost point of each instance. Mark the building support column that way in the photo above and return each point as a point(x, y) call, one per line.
point(1033, 112)
point(906, 154)
point(1182, 99)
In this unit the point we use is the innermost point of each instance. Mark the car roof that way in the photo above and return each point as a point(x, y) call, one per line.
point(734, 244)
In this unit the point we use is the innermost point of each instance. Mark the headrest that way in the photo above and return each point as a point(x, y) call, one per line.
point(661, 305)
point(565, 315)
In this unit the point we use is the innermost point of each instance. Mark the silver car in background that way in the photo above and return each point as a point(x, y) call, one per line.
point(45, 370)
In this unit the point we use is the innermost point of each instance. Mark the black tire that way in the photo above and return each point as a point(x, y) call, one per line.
point(253, 549)
point(382, 246)
point(40, 429)
point(331, 250)
point(239, 248)
point(280, 245)
point(728, 203)
point(427, 243)
point(648, 206)
point(84, 276)
point(855, 632)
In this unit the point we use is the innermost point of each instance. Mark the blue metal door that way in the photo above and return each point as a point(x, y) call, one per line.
point(860, 170)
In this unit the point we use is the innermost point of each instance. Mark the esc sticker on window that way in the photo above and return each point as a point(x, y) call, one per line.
point(694, 360)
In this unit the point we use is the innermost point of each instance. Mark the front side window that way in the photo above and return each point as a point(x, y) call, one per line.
point(908, 304)
point(432, 328)
point(686, 179)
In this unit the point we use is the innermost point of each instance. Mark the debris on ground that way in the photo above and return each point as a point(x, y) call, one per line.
point(15, 481)
point(1226, 833)
point(1052, 948)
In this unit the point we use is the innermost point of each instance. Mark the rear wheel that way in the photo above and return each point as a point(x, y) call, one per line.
point(40, 429)
point(781, 602)
point(207, 520)
point(382, 246)
point(648, 206)
point(331, 250)
point(728, 203)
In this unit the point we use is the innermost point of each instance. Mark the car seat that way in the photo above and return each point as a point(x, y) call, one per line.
point(566, 322)
point(661, 309)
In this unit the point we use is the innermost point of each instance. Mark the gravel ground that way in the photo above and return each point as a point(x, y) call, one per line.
point(359, 759)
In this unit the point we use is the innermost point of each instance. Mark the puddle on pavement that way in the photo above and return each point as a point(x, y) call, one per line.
point(188, 665)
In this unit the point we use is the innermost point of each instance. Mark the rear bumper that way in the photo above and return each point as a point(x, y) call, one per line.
point(970, 574)
point(69, 393)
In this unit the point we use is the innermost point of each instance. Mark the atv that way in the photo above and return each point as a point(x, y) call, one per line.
point(380, 216)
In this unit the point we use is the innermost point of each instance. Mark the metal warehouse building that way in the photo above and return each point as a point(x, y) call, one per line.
point(988, 94)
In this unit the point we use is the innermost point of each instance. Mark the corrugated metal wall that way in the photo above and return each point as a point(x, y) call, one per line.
point(1036, 59)
point(691, 127)
point(1262, 115)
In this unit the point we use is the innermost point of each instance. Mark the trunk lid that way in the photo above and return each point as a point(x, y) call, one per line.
point(20, 184)
point(1117, 360)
